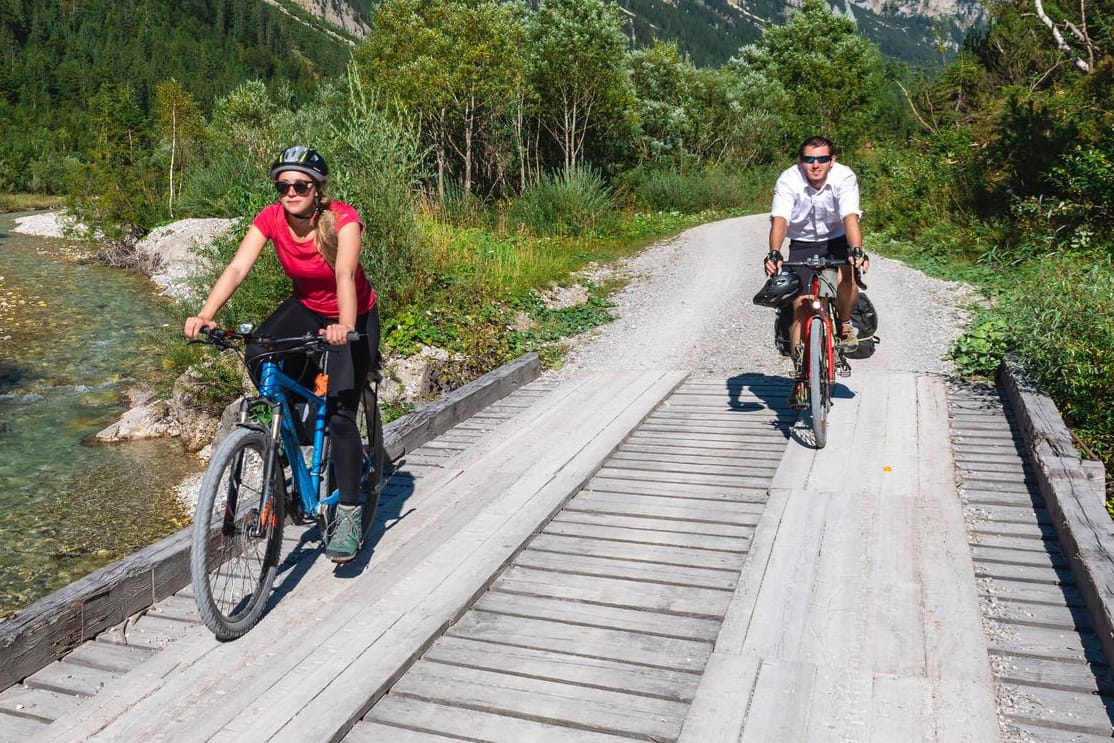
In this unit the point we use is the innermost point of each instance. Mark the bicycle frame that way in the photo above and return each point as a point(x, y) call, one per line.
point(822, 308)
point(274, 385)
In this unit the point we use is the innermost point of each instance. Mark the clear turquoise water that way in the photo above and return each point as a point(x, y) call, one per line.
point(71, 344)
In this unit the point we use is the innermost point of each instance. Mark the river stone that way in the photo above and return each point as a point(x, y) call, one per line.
point(173, 251)
point(144, 422)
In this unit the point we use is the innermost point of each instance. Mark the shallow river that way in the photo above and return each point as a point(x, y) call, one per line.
point(72, 341)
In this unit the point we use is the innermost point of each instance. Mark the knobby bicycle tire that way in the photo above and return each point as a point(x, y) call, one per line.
point(237, 533)
point(819, 383)
point(371, 432)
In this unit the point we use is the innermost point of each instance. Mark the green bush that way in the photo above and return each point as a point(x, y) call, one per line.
point(572, 202)
point(1062, 315)
point(698, 190)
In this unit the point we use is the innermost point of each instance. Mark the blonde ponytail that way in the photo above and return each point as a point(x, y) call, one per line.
point(325, 233)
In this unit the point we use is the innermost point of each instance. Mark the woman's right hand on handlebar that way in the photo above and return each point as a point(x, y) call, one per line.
point(194, 325)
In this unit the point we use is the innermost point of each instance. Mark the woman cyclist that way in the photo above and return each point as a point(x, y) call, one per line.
point(317, 240)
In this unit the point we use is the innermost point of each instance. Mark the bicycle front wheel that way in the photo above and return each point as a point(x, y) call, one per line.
point(819, 382)
point(237, 533)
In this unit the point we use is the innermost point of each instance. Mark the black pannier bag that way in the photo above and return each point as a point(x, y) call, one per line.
point(863, 316)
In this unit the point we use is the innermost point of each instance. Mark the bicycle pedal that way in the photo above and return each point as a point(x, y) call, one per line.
point(843, 369)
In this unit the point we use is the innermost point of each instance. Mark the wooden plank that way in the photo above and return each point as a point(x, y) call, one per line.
point(900, 708)
point(839, 705)
point(375, 732)
point(1024, 544)
point(109, 656)
point(1045, 615)
point(1043, 574)
point(474, 724)
point(17, 729)
point(641, 534)
point(599, 673)
point(701, 528)
point(1068, 675)
point(1041, 642)
point(632, 594)
point(69, 678)
point(679, 490)
point(1036, 592)
point(778, 708)
point(660, 507)
point(569, 704)
point(651, 553)
point(1046, 734)
point(621, 567)
point(684, 476)
point(721, 466)
point(40, 704)
point(594, 615)
point(620, 645)
point(1056, 707)
point(1011, 554)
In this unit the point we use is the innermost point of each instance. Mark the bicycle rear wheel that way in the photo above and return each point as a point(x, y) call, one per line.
point(371, 433)
point(818, 379)
point(237, 533)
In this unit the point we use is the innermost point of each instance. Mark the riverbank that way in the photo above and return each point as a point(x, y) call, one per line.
point(72, 345)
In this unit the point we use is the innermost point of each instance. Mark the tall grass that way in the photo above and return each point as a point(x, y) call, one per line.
point(572, 202)
point(697, 190)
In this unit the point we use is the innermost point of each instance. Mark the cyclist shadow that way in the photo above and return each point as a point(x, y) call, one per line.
point(773, 393)
point(308, 549)
point(392, 509)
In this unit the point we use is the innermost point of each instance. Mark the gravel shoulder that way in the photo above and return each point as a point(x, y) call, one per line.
point(688, 306)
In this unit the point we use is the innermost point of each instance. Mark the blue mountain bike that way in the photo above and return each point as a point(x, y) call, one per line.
point(275, 464)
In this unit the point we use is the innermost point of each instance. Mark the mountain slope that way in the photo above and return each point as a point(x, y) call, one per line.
point(920, 32)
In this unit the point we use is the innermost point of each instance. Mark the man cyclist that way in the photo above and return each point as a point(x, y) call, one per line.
point(816, 206)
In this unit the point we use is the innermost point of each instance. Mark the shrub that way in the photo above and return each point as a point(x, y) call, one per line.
point(692, 192)
point(572, 202)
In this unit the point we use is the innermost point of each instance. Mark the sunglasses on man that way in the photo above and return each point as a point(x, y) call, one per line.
point(300, 187)
point(810, 159)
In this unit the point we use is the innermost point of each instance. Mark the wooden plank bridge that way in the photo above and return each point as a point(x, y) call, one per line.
point(649, 555)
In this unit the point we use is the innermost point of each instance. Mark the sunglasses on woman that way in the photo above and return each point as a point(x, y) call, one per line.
point(300, 187)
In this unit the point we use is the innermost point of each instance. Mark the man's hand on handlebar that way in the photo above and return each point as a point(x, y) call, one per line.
point(859, 259)
point(772, 263)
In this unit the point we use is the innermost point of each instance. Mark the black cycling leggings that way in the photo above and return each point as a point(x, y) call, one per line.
point(348, 369)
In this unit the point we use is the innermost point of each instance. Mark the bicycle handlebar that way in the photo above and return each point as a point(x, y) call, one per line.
point(818, 263)
point(224, 338)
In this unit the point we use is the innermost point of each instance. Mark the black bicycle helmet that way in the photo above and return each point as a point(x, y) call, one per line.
point(302, 159)
point(781, 288)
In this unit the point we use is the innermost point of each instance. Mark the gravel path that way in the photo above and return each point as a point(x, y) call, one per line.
point(688, 306)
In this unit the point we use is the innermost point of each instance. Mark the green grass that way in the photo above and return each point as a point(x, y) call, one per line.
point(27, 202)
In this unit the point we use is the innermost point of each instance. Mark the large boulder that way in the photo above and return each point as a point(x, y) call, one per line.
point(173, 251)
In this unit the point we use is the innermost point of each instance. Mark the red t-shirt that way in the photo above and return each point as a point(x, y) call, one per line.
point(315, 283)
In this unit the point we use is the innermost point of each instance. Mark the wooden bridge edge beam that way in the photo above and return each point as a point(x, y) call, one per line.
point(1068, 484)
point(52, 626)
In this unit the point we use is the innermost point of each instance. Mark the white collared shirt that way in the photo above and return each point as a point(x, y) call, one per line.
point(815, 215)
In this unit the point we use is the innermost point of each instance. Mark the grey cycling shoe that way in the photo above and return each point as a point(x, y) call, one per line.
point(345, 541)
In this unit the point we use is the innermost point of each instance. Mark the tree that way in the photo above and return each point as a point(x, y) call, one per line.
point(456, 65)
point(179, 123)
point(834, 74)
point(578, 67)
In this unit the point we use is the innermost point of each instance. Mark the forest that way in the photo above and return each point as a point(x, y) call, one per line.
point(493, 146)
